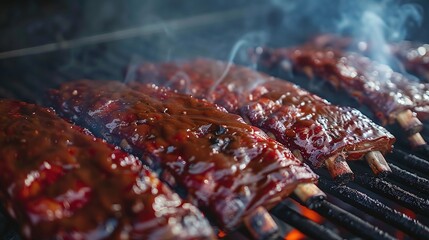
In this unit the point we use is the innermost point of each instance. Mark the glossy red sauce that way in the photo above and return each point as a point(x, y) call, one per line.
point(386, 92)
point(59, 182)
point(227, 168)
point(300, 120)
point(415, 58)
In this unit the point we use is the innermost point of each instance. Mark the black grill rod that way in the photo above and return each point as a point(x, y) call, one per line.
point(395, 193)
point(303, 224)
point(411, 179)
point(345, 219)
point(410, 161)
point(416, 184)
point(423, 151)
point(374, 207)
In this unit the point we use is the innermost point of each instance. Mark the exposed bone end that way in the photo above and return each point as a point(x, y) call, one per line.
point(377, 163)
point(409, 122)
point(339, 169)
point(416, 140)
point(260, 224)
point(309, 194)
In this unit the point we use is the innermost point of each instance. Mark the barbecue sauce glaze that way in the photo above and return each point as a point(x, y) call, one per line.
point(224, 166)
point(59, 182)
point(300, 120)
point(386, 92)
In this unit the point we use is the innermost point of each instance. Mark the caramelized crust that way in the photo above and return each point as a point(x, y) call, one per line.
point(59, 182)
point(302, 121)
point(386, 92)
point(414, 57)
point(223, 165)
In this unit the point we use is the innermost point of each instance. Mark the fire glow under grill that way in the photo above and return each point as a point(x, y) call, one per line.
point(368, 207)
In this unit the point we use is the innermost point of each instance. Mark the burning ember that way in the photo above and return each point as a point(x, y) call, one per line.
point(310, 214)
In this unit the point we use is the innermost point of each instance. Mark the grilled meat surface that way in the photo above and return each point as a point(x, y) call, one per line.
point(414, 57)
point(59, 182)
point(223, 165)
point(302, 121)
point(386, 92)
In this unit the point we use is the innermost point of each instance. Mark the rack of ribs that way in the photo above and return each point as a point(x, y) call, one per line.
point(59, 182)
point(391, 96)
point(314, 129)
point(412, 56)
point(229, 169)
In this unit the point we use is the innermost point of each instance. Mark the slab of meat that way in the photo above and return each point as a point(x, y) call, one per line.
point(300, 120)
point(59, 182)
point(413, 56)
point(223, 165)
point(386, 92)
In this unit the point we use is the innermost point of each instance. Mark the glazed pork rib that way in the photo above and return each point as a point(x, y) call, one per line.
point(413, 56)
point(226, 167)
point(59, 182)
point(389, 94)
point(311, 127)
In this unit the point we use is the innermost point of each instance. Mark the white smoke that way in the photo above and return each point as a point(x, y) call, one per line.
point(378, 23)
point(374, 22)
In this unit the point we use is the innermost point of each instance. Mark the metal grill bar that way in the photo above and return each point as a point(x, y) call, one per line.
point(303, 224)
point(349, 221)
point(394, 193)
point(423, 151)
point(102, 63)
point(411, 184)
point(410, 160)
point(374, 207)
point(414, 181)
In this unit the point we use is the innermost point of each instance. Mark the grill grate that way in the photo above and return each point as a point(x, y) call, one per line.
point(311, 228)
point(375, 208)
point(39, 77)
point(357, 209)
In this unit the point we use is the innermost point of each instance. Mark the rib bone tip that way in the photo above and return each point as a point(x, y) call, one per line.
point(260, 224)
point(378, 163)
point(339, 169)
point(309, 194)
point(409, 122)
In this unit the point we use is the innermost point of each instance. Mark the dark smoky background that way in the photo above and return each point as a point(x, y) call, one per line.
point(280, 21)
point(60, 40)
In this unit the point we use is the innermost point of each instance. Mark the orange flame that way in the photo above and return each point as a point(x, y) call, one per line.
point(294, 235)
point(221, 234)
point(310, 214)
point(398, 234)
point(408, 212)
